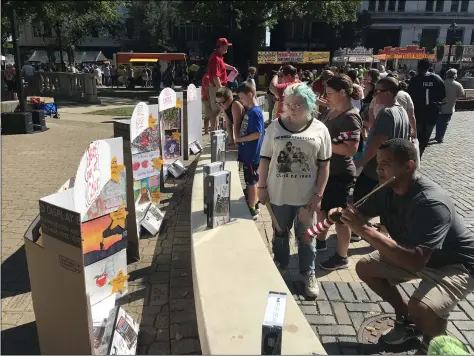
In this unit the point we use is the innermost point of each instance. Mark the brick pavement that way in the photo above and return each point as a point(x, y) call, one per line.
point(161, 295)
point(345, 302)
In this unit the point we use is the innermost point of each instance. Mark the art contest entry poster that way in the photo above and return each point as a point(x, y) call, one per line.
point(172, 146)
point(170, 121)
point(146, 164)
point(104, 236)
point(107, 277)
point(147, 190)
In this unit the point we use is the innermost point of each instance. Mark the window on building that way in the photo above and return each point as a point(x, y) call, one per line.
point(464, 5)
point(37, 29)
point(428, 38)
point(372, 4)
point(401, 5)
point(94, 32)
point(439, 5)
point(47, 31)
point(454, 6)
point(298, 29)
point(382, 4)
point(130, 26)
point(391, 5)
point(429, 5)
point(452, 38)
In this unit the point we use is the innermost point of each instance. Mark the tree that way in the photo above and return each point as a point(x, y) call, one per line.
point(154, 19)
point(244, 22)
point(73, 20)
point(350, 33)
point(459, 51)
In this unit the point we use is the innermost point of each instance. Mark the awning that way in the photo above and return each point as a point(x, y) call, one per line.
point(144, 60)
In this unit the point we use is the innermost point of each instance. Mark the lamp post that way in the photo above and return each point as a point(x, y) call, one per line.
point(58, 33)
point(452, 28)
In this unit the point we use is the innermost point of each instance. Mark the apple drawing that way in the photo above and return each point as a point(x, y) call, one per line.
point(145, 164)
point(136, 166)
point(145, 141)
point(100, 280)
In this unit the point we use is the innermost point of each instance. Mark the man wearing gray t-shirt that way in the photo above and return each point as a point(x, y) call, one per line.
point(428, 241)
point(391, 122)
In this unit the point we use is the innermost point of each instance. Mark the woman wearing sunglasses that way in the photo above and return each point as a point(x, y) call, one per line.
point(233, 111)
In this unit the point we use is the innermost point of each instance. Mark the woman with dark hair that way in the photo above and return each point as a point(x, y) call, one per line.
point(319, 88)
point(344, 125)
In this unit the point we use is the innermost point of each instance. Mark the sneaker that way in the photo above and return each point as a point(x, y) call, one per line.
point(401, 332)
point(335, 262)
point(257, 207)
point(254, 213)
point(355, 238)
point(321, 245)
point(311, 285)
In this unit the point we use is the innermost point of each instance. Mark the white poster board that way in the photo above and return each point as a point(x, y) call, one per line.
point(194, 114)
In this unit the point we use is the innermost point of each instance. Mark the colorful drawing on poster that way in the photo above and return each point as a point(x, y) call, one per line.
point(142, 164)
point(111, 197)
point(118, 283)
point(115, 169)
point(98, 276)
point(146, 189)
point(170, 119)
point(172, 147)
point(148, 140)
point(151, 121)
point(104, 236)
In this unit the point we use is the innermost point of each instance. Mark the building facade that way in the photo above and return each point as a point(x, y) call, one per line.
point(399, 23)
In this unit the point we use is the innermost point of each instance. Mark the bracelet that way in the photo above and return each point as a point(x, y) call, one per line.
point(265, 187)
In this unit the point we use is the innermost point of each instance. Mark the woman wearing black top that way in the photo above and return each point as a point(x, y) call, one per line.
point(233, 110)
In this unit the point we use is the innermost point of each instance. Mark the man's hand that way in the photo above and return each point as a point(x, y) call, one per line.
point(354, 220)
point(237, 139)
point(322, 101)
point(413, 132)
point(262, 194)
point(334, 211)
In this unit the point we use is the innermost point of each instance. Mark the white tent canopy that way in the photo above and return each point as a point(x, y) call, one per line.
point(41, 56)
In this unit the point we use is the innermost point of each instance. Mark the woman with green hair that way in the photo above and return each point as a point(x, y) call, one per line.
point(293, 171)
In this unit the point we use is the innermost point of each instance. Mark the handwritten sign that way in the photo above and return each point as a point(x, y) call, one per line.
point(93, 174)
point(144, 164)
point(167, 99)
point(192, 94)
point(139, 121)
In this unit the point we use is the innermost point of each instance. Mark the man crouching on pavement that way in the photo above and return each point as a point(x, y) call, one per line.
point(428, 241)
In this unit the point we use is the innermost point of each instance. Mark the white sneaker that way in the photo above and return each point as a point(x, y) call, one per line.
point(355, 238)
point(311, 285)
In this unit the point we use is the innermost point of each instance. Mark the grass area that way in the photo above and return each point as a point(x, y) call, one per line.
point(120, 111)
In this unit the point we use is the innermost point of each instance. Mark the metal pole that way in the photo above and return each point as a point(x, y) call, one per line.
point(449, 55)
point(58, 32)
point(16, 53)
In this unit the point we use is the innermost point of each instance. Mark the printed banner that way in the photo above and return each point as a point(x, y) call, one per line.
point(267, 57)
point(316, 57)
point(292, 57)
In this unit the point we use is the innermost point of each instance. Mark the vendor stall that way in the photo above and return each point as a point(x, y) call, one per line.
point(403, 57)
point(359, 56)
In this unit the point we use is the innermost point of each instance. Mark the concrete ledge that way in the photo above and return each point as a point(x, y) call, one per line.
point(9, 105)
point(232, 275)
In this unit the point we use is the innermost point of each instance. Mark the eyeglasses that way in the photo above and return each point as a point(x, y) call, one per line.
point(294, 106)
point(220, 103)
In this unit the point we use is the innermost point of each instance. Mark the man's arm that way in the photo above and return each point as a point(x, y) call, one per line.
point(460, 91)
point(411, 118)
point(371, 150)
point(383, 127)
point(237, 114)
point(229, 67)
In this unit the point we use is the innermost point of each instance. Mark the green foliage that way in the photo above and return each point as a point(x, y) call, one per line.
point(458, 52)
point(154, 19)
point(72, 19)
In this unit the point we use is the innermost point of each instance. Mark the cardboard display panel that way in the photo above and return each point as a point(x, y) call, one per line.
point(207, 169)
point(193, 123)
point(76, 250)
point(218, 147)
point(218, 186)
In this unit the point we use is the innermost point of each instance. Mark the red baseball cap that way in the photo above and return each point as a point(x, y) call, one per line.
point(223, 42)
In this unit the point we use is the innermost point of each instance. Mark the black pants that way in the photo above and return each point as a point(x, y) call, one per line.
point(424, 131)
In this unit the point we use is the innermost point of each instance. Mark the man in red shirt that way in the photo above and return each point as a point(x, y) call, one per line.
point(206, 103)
point(287, 75)
point(217, 76)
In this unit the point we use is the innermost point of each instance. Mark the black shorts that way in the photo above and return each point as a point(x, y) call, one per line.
point(363, 186)
point(11, 85)
point(250, 173)
point(337, 192)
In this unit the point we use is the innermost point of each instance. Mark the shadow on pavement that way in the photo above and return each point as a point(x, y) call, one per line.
point(15, 278)
point(20, 340)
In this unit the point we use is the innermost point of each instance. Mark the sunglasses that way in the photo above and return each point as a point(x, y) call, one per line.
point(221, 103)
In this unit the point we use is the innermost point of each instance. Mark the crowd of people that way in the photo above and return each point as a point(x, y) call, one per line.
point(335, 138)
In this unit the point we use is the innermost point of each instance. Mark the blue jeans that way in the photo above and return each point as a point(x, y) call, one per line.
point(442, 125)
point(287, 216)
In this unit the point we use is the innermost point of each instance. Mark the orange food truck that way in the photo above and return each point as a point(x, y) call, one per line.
point(139, 61)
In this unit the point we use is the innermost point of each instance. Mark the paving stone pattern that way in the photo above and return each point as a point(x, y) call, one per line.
point(344, 301)
point(160, 286)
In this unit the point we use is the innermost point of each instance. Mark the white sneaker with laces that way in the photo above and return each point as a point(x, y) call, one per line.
point(311, 285)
